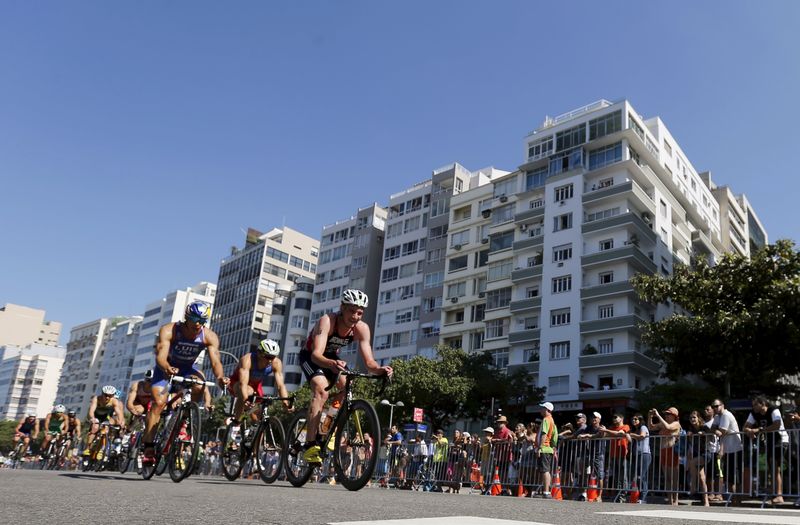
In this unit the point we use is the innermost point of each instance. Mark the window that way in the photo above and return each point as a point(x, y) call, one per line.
point(606, 277)
point(438, 232)
point(478, 313)
point(498, 298)
point(431, 304)
point(559, 350)
point(393, 230)
point(496, 328)
point(459, 238)
point(562, 222)
point(506, 187)
point(565, 161)
point(359, 262)
point(504, 240)
point(457, 289)
point(559, 317)
point(606, 244)
point(503, 214)
point(536, 178)
point(667, 148)
point(604, 156)
point(604, 214)
point(458, 263)
point(557, 385)
point(409, 248)
point(531, 291)
point(412, 224)
point(531, 355)
point(497, 271)
point(570, 138)
point(605, 183)
point(434, 279)
point(407, 270)
point(500, 358)
point(605, 125)
point(391, 253)
point(605, 346)
point(562, 284)
point(605, 311)
point(540, 148)
point(462, 213)
point(563, 193)
point(562, 253)
point(435, 255)
point(390, 274)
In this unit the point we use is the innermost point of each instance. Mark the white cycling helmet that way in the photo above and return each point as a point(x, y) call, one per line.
point(355, 297)
point(59, 409)
point(109, 390)
point(31, 414)
point(268, 347)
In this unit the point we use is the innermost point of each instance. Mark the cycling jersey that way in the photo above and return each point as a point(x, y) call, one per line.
point(143, 397)
point(73, 425)
point(27, 427)
point(333, 344)
point(257, 376)
point(183, 352)
point(104, 412)
point(55, 424)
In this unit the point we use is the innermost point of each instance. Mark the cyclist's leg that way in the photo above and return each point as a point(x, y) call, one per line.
point(239, 403)
point(318, 398)
point(157, 405)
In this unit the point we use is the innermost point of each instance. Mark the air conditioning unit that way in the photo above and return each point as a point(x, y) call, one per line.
point(503, 198)
point(454, 300)
point(456, 246)
point(561, 203)
point(485, 240)
point(481, 294)
point(486, 213)
point(560, 264)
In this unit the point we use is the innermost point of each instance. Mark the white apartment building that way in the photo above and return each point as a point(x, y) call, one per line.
point(119, 353)
point(603, 194)
point(21, 326)
point(166, 310)
point(247, 297)
point(80, 373)
point(409, 307)
point(350, 257)
point(740, 227)
point(29, 379)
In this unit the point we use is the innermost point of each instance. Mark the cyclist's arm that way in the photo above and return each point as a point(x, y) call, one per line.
point(212, 349)
point(64, 425)
point(244, 375)
point(36, 429)
point(362, 335)
point(92, 407)
point(118, 410)
point(319, 341)
point(47, 419)
point(77, 427)
point(19, 426)
point(277, 371)
point(131, 398)
point(162, 348)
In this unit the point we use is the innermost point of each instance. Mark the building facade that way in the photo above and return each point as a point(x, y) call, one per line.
point(21, 326)
point(119, 353)
point(29, 379)
point(166, 310)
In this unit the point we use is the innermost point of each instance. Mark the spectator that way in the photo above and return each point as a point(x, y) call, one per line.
point(640, 439)
point(727, 429)
point(419, 455)
point(440, 451)
point(669, 428)
point(394, 439)
point(547, 439)
point(764, 426)
point(527, 459)
point(714, 465)
point(573, 454)
point(793, 425)
point(502, 444)
point(383, 461)
point(596, 452)
point(697, 458)
point(487, 468)
point(618, 454)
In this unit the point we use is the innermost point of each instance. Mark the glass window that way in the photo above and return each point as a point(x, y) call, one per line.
point(536, 178)
point(605, 156)
point(562, 253)
point(559, 350)
point(605, 346)
point(559, 317)
point(605, 125)
point(498, 298)
point(606, 277)
point(563, 193)
point(558, 385)
point(496, 328)
point(562, 222)
point(570, 138)
point(605, 311)
point(457, 263)
point(502, 241)
point(562, 284)
point(606, 244)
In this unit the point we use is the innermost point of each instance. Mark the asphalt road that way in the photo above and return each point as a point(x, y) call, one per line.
point(30, 496)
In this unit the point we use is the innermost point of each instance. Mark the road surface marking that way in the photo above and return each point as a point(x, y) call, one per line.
point(731, 517)
point(444, 520)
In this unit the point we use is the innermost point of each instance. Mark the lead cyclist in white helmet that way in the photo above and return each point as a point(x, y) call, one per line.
point(320, 361)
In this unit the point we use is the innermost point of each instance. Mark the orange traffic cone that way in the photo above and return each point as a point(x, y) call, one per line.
point(592, 494)
point(634, 495)
point(520, 490)
point(556, 490)
point(497, 488)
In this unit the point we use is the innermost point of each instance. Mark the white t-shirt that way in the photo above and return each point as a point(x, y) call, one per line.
point(712, 443)
point(731, 439)
point(774, 416)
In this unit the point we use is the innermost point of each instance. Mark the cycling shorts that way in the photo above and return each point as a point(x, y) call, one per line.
point(160, 379)
point(311, 369)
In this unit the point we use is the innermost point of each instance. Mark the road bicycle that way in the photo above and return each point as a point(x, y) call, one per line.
point(262, 441)
point(102, 452)
point(56, 452)
point(18, 454)
point(352, 439)
point(177, 439)
point(131, 449)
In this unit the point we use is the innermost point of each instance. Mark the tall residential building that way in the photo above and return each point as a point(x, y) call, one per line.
point(545, 258)
point(120, 350)
point(29, 379)
point(351, 251)
point(740, 228)
point(168, 309)
point(248, 285)
point(413, 264)
point(21, 326)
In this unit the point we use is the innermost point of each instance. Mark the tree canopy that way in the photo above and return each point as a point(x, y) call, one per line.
point(743, 327)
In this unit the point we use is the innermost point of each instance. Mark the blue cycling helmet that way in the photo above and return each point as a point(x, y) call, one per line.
point(198, 311)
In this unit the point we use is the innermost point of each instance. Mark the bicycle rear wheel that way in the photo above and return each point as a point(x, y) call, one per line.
point(356, 445)
point(296, 469)
point(186, 444)
point(232, 456)
point(268, 449)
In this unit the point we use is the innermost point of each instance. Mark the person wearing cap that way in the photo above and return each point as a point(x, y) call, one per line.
point(547, 440)
point(618, 452)
point(502, 441)
point(766, 422)
point(669, 428)
point(572, 452)
point(596, 451)
point(487, 467)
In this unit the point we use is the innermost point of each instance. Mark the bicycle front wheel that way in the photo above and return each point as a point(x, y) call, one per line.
point(355, 450)
point(296, 469)
point(232, 454)
point(186, 443)
point(268, 449)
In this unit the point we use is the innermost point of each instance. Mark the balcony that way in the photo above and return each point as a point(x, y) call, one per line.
point(702, 243)
point(603, 290)
point(615, 359)
point(529, 216)
point(524, 336)
point(530, 242)
point(524, 274)
point(631, 220)
point(632, 191)
point(532, 367)
point(631, 253)
point(523, 305)
point(612, 393)
point(612, 324)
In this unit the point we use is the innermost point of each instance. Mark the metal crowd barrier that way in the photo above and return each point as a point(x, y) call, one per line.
point(698, 465)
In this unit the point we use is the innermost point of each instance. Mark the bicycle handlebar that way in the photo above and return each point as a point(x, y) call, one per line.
point(191, 381)
point(269, 399)
point(354, 373)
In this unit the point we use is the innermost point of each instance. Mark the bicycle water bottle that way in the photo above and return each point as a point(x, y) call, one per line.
point(329, 416)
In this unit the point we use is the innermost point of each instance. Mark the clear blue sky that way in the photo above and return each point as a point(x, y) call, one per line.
point(137, 139)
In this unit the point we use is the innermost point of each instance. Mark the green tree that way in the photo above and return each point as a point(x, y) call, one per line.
point(7, 435)
point(743, 329)
point(682, 394)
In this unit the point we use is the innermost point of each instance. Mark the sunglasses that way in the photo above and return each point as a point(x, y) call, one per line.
point(198, 320)
point(715, 406)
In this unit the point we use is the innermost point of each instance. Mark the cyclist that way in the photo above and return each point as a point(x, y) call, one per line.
point(179, 344)
point(56, 423)
point(105, 407)
point(251, 372)
point(319, 359)
point(140, 394)
point(27, 426)
point(73, 425)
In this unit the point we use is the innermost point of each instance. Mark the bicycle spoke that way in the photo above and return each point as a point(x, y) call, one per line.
point(355, 447)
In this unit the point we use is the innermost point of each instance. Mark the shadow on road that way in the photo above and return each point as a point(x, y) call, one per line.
point(78, 475)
